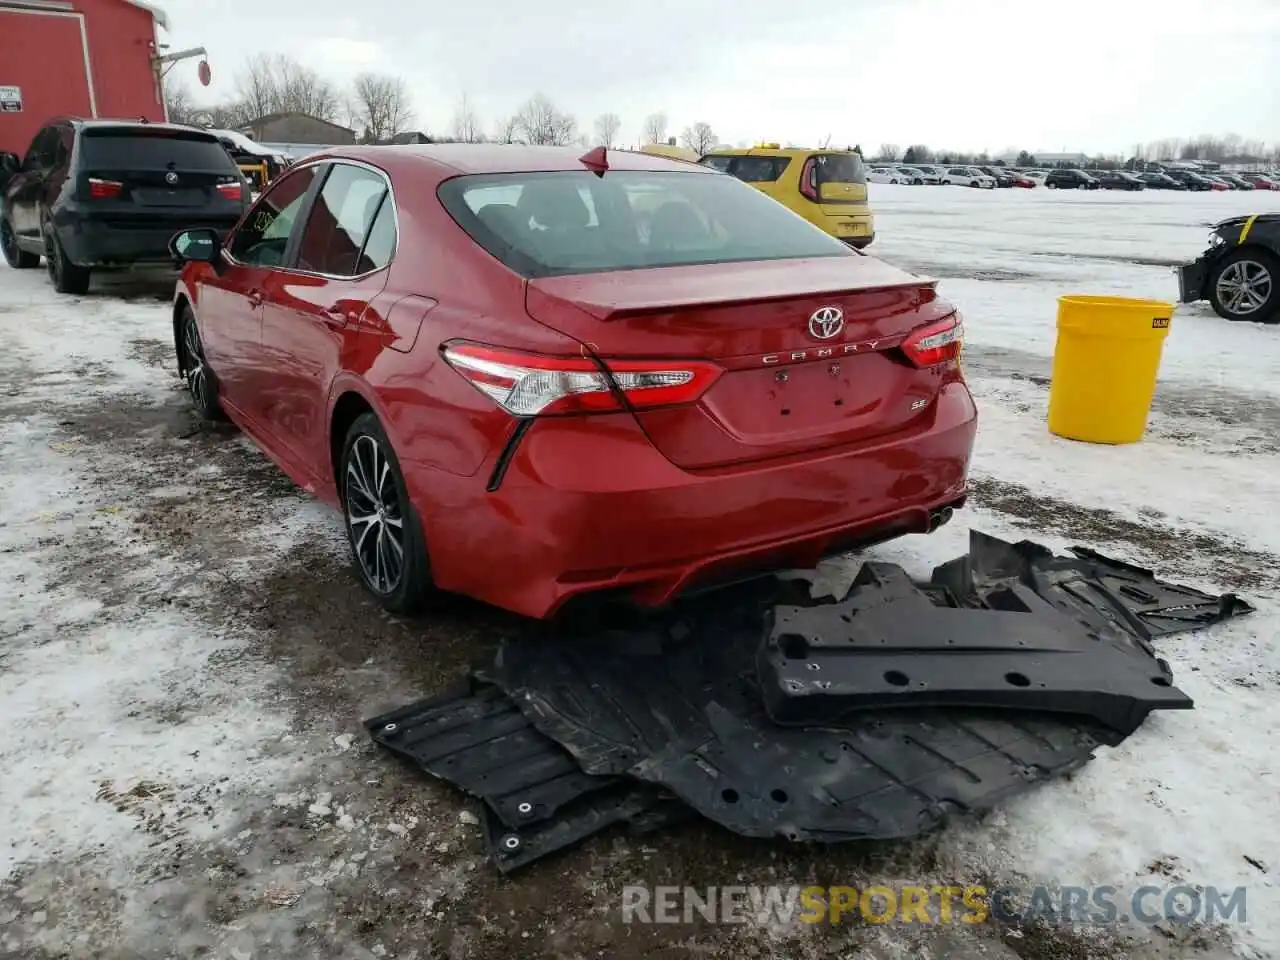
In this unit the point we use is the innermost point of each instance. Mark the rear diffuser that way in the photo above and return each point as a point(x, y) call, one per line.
point(675, 703)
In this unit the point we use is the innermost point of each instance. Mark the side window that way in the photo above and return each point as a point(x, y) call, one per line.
point(717, 163)
point(381, 243)
point(758, 169)
point(340, 221)
point(62, 149)
point(263, 237)
point(41, 150)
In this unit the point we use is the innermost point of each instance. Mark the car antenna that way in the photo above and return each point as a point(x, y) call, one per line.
point(596, 160)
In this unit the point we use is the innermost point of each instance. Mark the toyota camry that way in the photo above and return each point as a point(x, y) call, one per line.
point(526, 374)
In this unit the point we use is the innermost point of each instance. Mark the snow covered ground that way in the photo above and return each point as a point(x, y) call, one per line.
point(185, 661)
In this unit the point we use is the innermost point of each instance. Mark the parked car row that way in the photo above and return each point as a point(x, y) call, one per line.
point(991, 176)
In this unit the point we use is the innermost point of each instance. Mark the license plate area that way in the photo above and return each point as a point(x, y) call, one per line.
point(168, 196)
point(851, 395)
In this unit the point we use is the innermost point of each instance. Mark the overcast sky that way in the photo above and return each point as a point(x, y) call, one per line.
point(1090, 75)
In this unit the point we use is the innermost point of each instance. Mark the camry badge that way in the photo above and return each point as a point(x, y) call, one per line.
point(826, 322)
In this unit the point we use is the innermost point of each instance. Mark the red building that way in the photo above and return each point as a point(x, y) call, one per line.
point(86, 58)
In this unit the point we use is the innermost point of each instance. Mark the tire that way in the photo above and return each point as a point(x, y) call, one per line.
point(380, 509)
point(1246, 286)
point(65, 275)
point(201, 383)
point(17, 258)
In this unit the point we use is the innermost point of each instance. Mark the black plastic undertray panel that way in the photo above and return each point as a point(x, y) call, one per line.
point(537, 800)
point(887, 645)
point(675, 702)
point(1096, 590)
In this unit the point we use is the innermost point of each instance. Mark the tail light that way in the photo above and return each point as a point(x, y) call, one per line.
point(937, 343)
point(230, 191)
point(528, 385)
point(104, 189)
point(808, 177)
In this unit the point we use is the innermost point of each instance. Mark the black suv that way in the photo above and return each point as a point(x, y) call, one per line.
point(1119, 180)
point(94, 194)
point(1070, 180)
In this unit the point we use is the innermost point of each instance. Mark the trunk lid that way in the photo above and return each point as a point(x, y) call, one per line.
point(161, 171)
point(785, 390)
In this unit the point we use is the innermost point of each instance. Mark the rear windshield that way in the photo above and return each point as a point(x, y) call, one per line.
point(552, 224)
point(840, 168)
point(150, 151)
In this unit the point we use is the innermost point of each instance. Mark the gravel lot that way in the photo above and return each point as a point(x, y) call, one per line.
point(185, 659)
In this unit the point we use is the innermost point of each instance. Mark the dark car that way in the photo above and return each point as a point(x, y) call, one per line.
point(1190, 180)
point(509, 365)
point(1119, 180)
point(1161, 181)
point(1002, 176)
point(109, 194)
point(1239, 183)
point(1070, 180)
point(1240, 272)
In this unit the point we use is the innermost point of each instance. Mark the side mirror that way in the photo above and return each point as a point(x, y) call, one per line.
point(200, 245)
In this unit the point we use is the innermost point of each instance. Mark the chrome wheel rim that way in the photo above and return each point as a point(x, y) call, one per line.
point(197, 372)
point(374, 515)
point(1244, 287)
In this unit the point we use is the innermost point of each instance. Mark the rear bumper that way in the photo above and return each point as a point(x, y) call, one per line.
point(590, 505)
point(100, 243)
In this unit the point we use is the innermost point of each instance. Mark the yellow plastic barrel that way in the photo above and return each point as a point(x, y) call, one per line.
point(1105, 366)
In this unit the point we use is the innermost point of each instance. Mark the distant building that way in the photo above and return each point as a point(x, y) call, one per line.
point(297, 128)
point(83, 58)
point(409, 137)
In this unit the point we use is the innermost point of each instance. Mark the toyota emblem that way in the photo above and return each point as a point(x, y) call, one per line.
point(171, 178)
point(826, 322)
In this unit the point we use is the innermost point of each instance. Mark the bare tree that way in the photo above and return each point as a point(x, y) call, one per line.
point(177, 103)
point(539, 122)
point(380, 106)
point(655, 128)
point(607, 127)
point(275, 83)
point(699, 138)
point(466, 126)
point(507, 130)
point(888, 152)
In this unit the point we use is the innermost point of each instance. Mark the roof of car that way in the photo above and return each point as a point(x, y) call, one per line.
point(504, 158)
point(127, 124)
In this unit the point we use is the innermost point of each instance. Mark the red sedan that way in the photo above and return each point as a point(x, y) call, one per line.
point(525, 375)
point(1021, 180)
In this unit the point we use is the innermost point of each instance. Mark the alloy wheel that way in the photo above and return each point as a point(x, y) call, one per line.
point(1244, 287)
point(374, 514)
point(8, 241)
point(197, 371)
